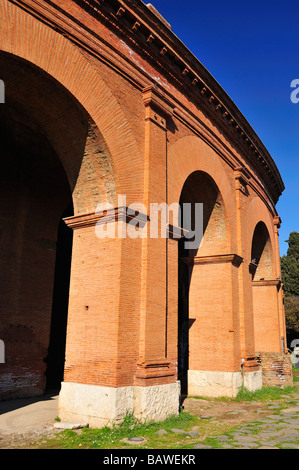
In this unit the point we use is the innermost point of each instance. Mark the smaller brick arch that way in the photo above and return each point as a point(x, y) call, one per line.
point(262, 253)
point(190, 155)
point(200, 187)
point(258, 215)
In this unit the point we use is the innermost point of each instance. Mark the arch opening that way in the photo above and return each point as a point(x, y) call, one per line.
point(261, 254)
point(195, 275)
point(54, 163)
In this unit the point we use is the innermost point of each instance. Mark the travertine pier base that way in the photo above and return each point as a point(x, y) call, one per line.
point(101, 406)
point(222, 384)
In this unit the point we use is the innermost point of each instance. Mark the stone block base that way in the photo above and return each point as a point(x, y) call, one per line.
point(157, 402)
point(221, 384)
point(101, 406)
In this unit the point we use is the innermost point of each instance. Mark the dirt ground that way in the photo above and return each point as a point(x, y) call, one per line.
point(25, 440)
point(220, 412)
point(221, 415)
point(234, 413)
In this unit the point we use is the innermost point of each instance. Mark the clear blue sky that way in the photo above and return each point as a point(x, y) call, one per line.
point(252, 49)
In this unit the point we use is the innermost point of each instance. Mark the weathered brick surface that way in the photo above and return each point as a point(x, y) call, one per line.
point(104, 110)
point(277, 369)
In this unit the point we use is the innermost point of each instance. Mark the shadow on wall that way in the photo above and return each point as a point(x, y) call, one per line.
point(52, 156)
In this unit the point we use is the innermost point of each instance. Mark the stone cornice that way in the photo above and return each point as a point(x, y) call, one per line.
point(116, 214)
point(267, 283)
point(234, 259)
point(154, 369)
point(153, 39)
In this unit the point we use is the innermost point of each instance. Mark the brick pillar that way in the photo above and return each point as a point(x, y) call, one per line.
point(90, 391)
point(113, 365)
point(269, 321)
point(267, 317)
point(245, 288)
point(154, 367)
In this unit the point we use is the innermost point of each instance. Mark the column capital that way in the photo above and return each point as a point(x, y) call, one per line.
point(158, 107)
point(277, 221)
point(242, 177)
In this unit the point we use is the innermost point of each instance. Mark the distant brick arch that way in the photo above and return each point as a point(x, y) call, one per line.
point(262, 252)
point(257, 212)
point(191, 154)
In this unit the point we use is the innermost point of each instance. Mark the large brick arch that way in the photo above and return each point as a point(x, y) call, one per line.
point(191, 154)
point(25, 37)
point(27, 40)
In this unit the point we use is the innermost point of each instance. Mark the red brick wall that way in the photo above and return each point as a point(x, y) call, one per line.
point(277, 369)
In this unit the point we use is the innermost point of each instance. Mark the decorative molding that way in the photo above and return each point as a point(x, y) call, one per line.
point(158, 107)
point(234, 259)
point(154, 369)
point(242, 177)
point(267, 283)
point(277, 221)
point(117, 214)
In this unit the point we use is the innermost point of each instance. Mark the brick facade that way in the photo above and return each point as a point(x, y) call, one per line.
point(103, 101)
point(277, 369)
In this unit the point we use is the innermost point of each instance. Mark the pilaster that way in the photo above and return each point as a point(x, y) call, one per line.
point(153, 366)
point(242, 178)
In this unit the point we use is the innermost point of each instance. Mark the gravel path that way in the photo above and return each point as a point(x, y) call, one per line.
point(275, 431)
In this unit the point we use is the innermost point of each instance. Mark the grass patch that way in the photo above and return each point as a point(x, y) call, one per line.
point(111, 436)
point(264, 394)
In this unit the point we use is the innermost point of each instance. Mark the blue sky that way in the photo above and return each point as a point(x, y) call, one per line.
point(252, 49)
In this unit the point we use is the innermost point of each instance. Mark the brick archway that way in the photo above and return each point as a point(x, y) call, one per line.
point(198, 282)
point(78, 76)
point(86, 128)
point(35, 191)
point(190, 154)
point(119, 107)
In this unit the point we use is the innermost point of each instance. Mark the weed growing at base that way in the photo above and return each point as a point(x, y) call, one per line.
point(107, 436)
point(264, 394)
